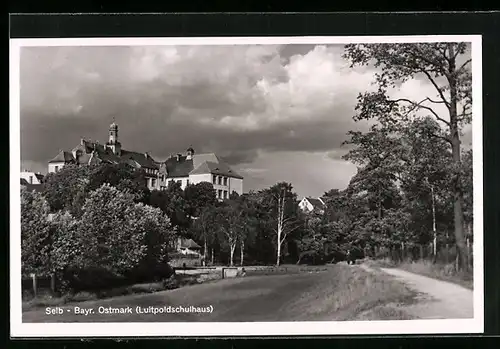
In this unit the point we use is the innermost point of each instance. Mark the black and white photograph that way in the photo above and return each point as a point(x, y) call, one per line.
point(246, 186)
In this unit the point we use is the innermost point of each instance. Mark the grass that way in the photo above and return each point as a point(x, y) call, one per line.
point(47, 300)
point(355, 294)
point(439, 271)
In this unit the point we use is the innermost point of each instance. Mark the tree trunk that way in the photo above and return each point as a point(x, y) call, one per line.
point(278, 252)
point(242, 248)
point(232, 246)
point(212, 256)
point(455, 150)
point(434, 241)
point(205, 253)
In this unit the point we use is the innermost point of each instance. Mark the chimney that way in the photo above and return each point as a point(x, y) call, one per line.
point(179, 157)
point(146, 155)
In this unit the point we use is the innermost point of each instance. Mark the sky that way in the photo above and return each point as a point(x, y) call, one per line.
point(273, 112)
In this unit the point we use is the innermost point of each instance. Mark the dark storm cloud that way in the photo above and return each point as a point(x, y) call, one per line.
point(238, 101)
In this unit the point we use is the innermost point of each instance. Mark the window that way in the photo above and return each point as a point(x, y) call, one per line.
point(179, 181)
point(153, 182)
point(225, 194)
point(220, 194)
point(187, 181)
point(56, 168)
point(220, 180)
point(162, 178)
point(214, 179)
point(225, 181)
point(31, 179)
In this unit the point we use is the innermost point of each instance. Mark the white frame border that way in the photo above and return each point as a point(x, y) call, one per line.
point(229, 329)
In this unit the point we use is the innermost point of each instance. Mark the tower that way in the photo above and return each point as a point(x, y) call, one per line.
point(113, 142)
point(190, 153)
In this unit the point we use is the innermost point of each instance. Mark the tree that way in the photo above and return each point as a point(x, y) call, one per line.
point(206, 226)
point(283, 207)
point(446, 67)
point(198, 196)
point(313, 241)
point(248, 206)
point(172, 202)
point(36, 235)
point(62, 187)
point(229, 220)
point(121, 176)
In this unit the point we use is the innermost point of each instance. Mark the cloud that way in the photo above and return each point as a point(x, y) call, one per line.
point(255, 106)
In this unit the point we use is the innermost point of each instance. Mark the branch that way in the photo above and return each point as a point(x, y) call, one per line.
point(441, 94)
point(447, 139)
point(463, 65)
point(419, 105)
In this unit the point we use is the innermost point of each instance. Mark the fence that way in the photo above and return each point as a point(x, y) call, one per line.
point(36, 285)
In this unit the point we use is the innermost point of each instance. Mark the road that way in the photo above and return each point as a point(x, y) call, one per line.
point(437, 299)
point(292, 297)
point(255, 298)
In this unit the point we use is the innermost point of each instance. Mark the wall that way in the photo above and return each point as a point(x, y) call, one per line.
point(236, 184)
point(198, 178)
point(53, 165)
point(305, 205)
point(27, 175)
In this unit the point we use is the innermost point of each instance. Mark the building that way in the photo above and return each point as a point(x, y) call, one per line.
point(31, 187)
point(308, 204)
point(188, 168)
point(32, 177)
point(188, 247)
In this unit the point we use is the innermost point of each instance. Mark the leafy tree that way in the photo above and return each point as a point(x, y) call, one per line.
point(313, 241)
point(446, 66)
point(121, 176)
point(248, 206)
point(172, 202)
point(62, 187)
point(229, 220)
point(206, 227)
point(36, 235)
point(198, 196)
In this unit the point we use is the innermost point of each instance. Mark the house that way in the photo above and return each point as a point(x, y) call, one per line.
point(188, 168)
point(32, 177)
point(308, 204)
point(31, 187)
point(188, 247)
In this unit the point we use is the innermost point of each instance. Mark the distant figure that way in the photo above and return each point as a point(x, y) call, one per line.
point(349, 259)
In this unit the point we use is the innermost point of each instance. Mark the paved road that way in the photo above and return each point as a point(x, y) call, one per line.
point(438, 299)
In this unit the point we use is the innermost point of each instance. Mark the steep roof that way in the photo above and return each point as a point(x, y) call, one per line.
point(315, 202)
point(179, 168)
point(216, 168)
point(199, 164)
point(39, 176)
point(24, 181)
point(105, 154)
point(63, 156)
point(189, 243)
point(141, 158)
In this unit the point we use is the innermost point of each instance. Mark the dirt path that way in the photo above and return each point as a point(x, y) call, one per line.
point(437, 299)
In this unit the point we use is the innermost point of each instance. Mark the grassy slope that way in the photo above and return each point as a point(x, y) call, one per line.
point(340, 293)
point(437, 271)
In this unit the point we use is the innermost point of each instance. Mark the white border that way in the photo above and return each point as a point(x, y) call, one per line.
point(19, 329)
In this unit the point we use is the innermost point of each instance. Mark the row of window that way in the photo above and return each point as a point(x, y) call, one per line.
point(219, 180)
point(222, 194)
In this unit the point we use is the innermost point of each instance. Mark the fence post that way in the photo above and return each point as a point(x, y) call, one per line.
point(53, 283)
point(33, 277)
point(223, 273)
